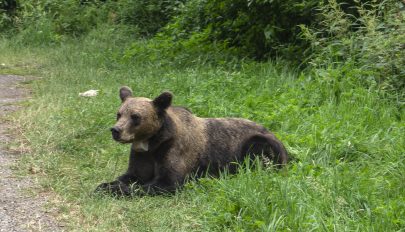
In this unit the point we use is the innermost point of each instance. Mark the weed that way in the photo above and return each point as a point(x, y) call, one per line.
point(347, 140)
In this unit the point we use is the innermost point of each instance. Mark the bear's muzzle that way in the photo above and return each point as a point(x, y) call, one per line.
point(116, 133)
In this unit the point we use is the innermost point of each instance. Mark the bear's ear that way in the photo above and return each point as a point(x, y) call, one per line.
point(125, 92)
point(163, 101)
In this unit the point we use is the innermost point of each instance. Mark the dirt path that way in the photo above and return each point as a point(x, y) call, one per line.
point(19, 210)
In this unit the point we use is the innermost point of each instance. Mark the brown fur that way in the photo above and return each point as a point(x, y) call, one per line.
point(170, 143)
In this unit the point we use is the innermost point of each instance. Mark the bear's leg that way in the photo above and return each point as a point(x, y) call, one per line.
point(123, 186)
point(155, 188)
point(165, 182)
point(115, 188)
point(268, 145)
point(141, 170)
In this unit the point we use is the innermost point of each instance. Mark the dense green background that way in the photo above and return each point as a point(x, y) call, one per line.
point(327, 78)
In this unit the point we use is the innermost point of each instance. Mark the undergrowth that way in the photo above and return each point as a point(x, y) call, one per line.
point(340, 113)
point(347, 141)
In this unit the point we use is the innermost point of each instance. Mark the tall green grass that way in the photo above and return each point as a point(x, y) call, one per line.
point(347, 142)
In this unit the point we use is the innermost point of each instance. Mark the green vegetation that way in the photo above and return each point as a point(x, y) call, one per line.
point(340, 112)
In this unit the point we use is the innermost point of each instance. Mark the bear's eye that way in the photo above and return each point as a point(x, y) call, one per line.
point(136, 119)
point(118, 116)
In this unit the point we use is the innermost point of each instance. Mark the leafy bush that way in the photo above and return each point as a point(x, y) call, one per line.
point(372, 41)
point(367, 35)
point(255, 29)
point(147, 15)
point(43, 22)
point(7, 13)
point(75, 18)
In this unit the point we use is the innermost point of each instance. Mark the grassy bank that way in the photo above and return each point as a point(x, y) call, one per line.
point(347, 140)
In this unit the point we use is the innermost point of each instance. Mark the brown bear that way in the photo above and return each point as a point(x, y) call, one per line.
point(169, 144)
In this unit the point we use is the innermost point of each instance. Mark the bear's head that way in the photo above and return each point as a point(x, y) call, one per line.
point(139, 118)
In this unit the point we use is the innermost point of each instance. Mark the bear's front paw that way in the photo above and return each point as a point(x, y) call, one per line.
point(116, 188)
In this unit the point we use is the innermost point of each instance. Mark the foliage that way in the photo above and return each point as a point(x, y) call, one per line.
point(347, 140)
point(7, 13)
point(222, 31)
point(44, 22)
point(51, 21)
point(149, 16)
point(256, 29)
point(372, 42)
point(335, 116)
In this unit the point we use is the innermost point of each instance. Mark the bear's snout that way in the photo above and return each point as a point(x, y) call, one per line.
point(116, 133)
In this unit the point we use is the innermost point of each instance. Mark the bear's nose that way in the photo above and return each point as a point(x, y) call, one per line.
point(115, 129)
point(115, 132)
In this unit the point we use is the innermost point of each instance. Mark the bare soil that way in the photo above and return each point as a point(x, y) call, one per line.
point(23, 207)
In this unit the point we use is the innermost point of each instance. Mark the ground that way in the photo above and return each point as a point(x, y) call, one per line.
point(22, 206)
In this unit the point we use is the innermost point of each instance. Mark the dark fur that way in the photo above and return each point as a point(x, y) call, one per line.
point(185, 145)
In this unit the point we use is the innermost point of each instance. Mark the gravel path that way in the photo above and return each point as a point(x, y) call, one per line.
point(19, 209)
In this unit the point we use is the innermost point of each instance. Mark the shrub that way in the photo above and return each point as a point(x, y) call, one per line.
point(256, 29)
point(372, 41)
point(43, 22)
point(7, 13)
point(147, 15)
point(75, 18)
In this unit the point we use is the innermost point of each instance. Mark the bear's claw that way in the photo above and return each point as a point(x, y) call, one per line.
point(115, 188)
